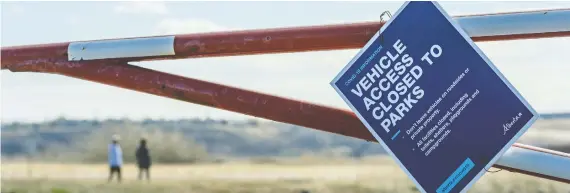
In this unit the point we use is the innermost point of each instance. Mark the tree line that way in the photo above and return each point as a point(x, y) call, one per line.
point(175, 141)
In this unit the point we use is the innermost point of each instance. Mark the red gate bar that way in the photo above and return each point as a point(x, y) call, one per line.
point(233, 99)
point(484, 27)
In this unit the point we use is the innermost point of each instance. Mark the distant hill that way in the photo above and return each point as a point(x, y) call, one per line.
point(220, 137)
point(246, 138)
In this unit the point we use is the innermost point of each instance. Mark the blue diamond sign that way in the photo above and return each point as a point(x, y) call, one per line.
point(433, 99)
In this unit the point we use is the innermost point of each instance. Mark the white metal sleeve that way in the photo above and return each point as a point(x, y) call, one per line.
point(536, 162)
point(121, 48)
point(516, 23)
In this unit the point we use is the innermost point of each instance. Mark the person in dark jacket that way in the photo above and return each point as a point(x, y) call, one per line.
point(143, 159)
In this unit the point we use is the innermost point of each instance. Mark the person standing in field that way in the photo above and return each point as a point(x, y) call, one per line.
point(115, 157)
point(143, 159)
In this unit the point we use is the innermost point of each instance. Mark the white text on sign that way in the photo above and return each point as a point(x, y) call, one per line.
point(393, 77)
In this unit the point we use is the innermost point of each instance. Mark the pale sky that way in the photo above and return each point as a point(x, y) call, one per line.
point(537, 68)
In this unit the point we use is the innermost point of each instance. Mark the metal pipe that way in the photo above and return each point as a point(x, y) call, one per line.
point(485, 27)
point(553, 164)
point(266, 106)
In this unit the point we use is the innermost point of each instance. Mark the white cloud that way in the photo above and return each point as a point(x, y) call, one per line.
point(171, 26)
point(16, 9)
point(72, 20)
point(141, 7)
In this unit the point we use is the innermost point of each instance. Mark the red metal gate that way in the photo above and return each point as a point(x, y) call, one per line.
point(105, 61)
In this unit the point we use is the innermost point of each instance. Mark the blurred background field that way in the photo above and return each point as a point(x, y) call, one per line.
point(204, 155)
point(207, 140)
point(370, 175)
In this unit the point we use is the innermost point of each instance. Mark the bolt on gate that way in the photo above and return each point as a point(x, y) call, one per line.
point(106, 62)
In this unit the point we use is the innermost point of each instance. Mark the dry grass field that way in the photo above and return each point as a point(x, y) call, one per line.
point(334, 176)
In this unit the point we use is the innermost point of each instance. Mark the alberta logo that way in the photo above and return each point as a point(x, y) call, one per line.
point(507, 126)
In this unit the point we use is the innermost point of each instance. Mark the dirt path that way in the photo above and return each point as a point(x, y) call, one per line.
point(222, 172)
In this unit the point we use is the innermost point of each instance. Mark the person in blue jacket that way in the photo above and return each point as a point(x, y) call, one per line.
point(115, 157)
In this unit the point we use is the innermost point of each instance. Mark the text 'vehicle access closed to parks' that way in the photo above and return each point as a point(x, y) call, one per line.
point(433, 100)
